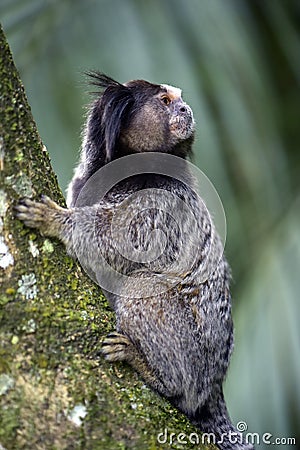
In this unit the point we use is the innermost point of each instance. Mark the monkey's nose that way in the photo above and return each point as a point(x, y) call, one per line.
point(180, 107)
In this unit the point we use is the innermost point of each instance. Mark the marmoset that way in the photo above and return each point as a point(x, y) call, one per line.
point(177, 334)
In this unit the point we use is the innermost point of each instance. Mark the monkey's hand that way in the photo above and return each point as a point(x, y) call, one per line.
point(45, 215)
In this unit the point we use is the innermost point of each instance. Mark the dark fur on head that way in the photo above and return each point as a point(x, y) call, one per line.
point(113, 110)
point(109, 113)
point(130, 118)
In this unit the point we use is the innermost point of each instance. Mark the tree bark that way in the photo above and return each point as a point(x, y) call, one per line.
point(56, 392)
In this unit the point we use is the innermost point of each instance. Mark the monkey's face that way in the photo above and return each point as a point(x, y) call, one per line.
point(181, 120)
point(161, 120)
point(135, 117)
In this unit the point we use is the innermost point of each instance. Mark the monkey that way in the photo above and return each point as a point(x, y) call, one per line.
point(173, 324)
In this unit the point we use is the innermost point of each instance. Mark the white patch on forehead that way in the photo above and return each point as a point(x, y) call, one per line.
point(172, 91)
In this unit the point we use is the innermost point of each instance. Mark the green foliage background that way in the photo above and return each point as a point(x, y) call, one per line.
point(238, 63)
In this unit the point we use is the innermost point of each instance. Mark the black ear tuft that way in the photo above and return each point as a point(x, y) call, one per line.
point(117, 103)
point(112, 111)
point(99, 79)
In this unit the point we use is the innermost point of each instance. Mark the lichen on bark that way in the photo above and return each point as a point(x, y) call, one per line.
point(56, 392)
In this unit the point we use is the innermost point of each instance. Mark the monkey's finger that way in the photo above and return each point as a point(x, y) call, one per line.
point(114, 352)
point(25, 202)
point(50, 203)
point(29, 210)
point(116, 339)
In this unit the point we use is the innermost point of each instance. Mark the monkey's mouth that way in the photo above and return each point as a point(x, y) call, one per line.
point(182, 126)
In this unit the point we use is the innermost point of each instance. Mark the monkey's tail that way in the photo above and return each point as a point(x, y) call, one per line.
point(213, 420)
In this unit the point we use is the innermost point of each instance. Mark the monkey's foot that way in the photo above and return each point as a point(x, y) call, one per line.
point(117, 347)
point(46, 215)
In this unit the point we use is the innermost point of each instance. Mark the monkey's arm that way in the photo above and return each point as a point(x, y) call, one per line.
point(85, 231)
point(75, 227)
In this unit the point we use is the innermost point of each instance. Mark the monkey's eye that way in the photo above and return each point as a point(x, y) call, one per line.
point(166, 100)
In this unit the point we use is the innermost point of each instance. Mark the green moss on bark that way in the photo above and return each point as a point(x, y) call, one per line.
point(52, 320)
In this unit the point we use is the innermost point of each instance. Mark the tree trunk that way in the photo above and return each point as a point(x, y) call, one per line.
point(56, 392)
